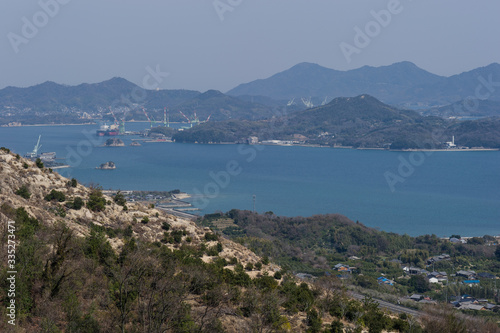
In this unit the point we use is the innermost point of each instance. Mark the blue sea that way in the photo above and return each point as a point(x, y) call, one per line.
point(417, 193)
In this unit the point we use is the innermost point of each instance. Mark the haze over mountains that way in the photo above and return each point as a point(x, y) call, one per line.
point(401, 83)
point(474, 93)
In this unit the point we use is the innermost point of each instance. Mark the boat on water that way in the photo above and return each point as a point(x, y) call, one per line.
point(49, 159)
point(45, 157)
point(108, 130)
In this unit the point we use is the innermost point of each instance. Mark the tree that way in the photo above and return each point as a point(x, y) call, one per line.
point(55, 195)
point(497, 252)
point(313, 321)
point(77, 203)
point(73, 182)
point(418, 283)
point(39, 163)
point(125, 282)
point(98, 248)
point(96, 202)
point(119, 199)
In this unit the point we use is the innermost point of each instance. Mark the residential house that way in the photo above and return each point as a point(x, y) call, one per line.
point(383, 280)
point(486, 275)
point(467, 274)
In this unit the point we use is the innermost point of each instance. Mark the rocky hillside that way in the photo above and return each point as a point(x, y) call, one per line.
point(41, 199)
point(20, 173)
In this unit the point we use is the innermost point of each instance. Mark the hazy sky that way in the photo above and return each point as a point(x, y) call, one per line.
point(203, 48)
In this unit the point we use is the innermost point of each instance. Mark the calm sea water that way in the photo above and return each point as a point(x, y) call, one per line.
point(445, 193)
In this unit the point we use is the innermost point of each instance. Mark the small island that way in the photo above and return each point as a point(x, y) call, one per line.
point(135, 144)
point(107, 166)
point(114, 143)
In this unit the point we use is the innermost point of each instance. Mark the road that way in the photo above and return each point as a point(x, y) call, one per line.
point(389, 306)
point(178, 213)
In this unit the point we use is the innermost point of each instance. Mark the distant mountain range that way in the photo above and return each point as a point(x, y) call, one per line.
point(470, 94)
point(402, 84)
point(51, 102)
point(50, 96)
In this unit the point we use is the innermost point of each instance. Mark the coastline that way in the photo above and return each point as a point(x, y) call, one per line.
point(89, 123)
point(39, 125)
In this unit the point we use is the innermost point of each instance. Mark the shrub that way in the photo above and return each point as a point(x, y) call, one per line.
point(119, 199)
point(165, 226)
point(145, 220)
point(97, 247)
point(249, 266)
point(25, 165)
point(55, 195)
point(5, 150)
point(128, 231)
point(177, 236)
point(76, 203)
point(39, 163)
point(73, 182)
point(96, 201)
point(210, 237)
point(313, 321)
point(23, 192)
point(233, 261)
point(277, 275)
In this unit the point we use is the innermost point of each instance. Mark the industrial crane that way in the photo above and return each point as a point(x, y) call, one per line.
point(147, 117)
point(166, 118)
point(189, 120)
point(307, 102)
point(195, 120)
point(121, 125)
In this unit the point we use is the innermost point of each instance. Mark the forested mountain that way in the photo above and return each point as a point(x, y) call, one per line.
point(362, 122)
point(116, 92)
point(401, 83)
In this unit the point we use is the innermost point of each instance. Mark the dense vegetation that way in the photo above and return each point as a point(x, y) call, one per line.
point(149, 288)
point(361, 121)
point(315, 244)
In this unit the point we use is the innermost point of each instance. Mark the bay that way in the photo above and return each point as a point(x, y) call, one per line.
point(440, 193)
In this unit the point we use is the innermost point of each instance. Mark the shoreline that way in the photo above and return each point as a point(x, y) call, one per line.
point(39, 125)
point(90, 123)
point(476, 149)
point(380, 149)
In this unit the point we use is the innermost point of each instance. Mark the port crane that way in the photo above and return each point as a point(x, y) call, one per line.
point(291, 102)
point(121, 125)
point(166, 118)
point(147, 117)
point(189, 120)
point(196, 120)
point(307, 102)
point(36, 149)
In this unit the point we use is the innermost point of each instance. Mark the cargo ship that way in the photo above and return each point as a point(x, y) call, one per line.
point(108, 130)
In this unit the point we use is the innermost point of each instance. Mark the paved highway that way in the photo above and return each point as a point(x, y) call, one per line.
point(389, 306)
